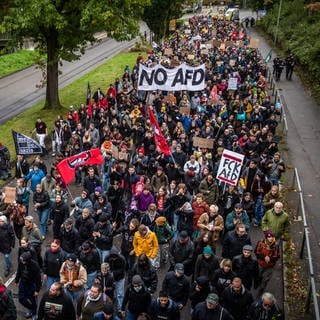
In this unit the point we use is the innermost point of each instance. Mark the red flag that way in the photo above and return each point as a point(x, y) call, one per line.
point(214, 93)
point(68, 166)
point(159, 139)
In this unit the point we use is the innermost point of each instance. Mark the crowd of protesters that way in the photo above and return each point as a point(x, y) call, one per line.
point(170, 211)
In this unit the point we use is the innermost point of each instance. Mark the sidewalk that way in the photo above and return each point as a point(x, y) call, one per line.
point(302, 142)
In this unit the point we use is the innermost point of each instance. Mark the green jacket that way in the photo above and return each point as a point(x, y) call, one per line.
point(164, 233)
point(278, 223)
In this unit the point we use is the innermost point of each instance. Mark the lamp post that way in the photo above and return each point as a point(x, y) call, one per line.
point(278, 21)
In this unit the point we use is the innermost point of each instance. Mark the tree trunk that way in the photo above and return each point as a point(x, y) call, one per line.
point(52, 91)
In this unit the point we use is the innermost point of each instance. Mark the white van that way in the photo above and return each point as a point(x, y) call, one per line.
point(232, 14)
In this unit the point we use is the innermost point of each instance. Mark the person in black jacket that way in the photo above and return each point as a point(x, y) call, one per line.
point(146, 271)
point(56, 305)
point(181, 251)
point(90, 259)
point(177, 285)
point(128, 230)
point(69, 236)
point(234, 241)
point(103, 236)
point(206, 264)
point(21, 167)
point(117, 265)
point(200, 289)
point(29, 278)
point(102, 205)
point(246, 267)
point(164, 308)
point(106, 281)
point(59, 213)
point(85, 225)
point(41, 202)
point(52, 262)
point(222, 277)
point(237, 299)
point(91, 181)
point(7, 241)
point(137, 298)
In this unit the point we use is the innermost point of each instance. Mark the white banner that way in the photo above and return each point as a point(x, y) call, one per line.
point(183, 77)
point(230, 167)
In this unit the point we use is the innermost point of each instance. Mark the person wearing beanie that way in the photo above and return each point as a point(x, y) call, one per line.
point(7, 242)
point(268, 253)
point(164, 234)
point(81, 202)
point(211, 309)
point(200, 289)
point(137, 299)
point(206, 264)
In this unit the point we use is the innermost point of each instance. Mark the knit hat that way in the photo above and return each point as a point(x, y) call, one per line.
point(179, 267)
point(136, 280)
point(25, 257)
point(72, 257)
point(268, 233)
point(98, 189)
point(212, 298)
point(3, 219)
point(207, 250)
point(247, 247)
point(160, 221)
point(141, 150)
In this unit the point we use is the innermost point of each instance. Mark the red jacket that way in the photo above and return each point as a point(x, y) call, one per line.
point(264, 249)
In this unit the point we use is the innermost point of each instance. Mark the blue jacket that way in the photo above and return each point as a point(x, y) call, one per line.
point(35, 178)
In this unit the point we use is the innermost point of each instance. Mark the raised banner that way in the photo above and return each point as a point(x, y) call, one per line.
point(25, 145)
point(183, 77)
point(230, 167)
point(232, 83)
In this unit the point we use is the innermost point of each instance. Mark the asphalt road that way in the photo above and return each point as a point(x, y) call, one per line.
point(18, 91)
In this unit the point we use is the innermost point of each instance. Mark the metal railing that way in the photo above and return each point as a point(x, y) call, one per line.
point(312, 292)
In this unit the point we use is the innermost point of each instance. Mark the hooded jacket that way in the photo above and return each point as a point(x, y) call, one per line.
point(169, 312)
point(147, 244)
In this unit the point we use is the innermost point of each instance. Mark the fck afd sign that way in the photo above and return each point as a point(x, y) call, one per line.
point(230, 167)
point(183, 77)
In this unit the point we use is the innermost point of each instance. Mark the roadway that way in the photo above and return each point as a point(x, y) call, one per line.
point(19, 91)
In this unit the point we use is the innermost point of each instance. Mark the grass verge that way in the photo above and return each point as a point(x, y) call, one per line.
point(73, 94)
point(10, 63)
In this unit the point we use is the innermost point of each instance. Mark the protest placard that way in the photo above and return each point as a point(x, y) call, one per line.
point(254, 43)
point(203, 142)
point(232, 83)
point(168, 52)
point(230, 167)
point(184, 110)
point(10, 194)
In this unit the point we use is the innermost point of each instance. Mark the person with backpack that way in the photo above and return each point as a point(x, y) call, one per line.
point(4, 162)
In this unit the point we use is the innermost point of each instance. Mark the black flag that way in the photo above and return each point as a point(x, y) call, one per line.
point(88, 93)
point(25, 145)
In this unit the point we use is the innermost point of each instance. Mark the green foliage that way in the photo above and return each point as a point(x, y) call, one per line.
point(62, 28)
point(13, 62)
point(298, 33)
point(158, 15)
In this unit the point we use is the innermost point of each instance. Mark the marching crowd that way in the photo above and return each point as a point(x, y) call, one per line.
point(168, 211)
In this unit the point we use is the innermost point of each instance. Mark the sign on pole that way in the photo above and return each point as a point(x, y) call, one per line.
point(232, 83)
point(230, 167)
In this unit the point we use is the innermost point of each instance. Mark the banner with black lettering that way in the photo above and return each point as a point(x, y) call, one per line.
point(183, 77)
point(26, 145)
point(230, 167)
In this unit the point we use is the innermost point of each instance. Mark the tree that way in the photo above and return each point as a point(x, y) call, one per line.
point(62, 28)
point(158, 15)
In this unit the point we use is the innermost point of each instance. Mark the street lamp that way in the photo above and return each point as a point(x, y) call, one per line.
point(278, 21)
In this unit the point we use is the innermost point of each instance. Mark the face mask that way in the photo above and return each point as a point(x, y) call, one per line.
point(54, 250)
point(137, 289)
